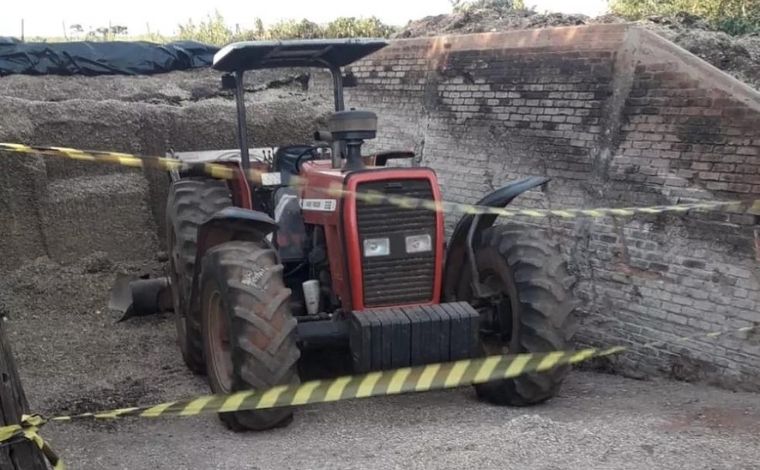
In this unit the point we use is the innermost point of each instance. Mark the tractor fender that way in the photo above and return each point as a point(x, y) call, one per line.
point(456, 252)
point(230, 223)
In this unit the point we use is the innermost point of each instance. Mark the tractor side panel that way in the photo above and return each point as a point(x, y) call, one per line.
point(321, 208)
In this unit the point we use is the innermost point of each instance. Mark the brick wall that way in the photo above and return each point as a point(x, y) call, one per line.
point(617, 117)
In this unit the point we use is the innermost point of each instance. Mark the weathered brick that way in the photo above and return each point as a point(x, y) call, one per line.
point(709, 176)
point(662, 276)
point(748, 151)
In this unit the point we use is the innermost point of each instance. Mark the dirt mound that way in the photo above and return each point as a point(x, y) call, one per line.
point(72, 354)
point(105, 206)
point(487, 20)
point(739, 56)
point(736, 55)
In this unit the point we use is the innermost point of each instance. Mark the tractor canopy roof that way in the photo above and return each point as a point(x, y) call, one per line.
point(328, 53)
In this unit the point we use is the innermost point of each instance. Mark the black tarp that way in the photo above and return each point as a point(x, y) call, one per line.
point(101, 58)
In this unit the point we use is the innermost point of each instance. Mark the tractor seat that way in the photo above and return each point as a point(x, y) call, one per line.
point(285, 158)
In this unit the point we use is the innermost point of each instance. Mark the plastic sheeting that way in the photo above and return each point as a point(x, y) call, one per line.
point(101, 58)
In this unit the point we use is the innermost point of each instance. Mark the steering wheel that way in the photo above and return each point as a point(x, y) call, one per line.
point(311, 152)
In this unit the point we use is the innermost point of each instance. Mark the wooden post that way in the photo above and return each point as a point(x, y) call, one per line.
point(25, 455)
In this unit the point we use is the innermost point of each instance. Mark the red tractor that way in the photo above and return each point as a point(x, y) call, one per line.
point(266, 274)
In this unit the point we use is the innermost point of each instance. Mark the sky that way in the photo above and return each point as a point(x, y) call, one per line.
point(51, 17)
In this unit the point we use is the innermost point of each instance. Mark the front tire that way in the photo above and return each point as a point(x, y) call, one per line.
point(533, 314)
point(248, 330)
point(191, 202)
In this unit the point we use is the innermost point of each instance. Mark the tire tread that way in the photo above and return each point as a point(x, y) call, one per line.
point(191, 202)
point(259, 310)
point(546, 304)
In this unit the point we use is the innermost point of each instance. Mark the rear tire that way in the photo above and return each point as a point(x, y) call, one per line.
point(248, 330)
point(536, 314)
point(190, 203)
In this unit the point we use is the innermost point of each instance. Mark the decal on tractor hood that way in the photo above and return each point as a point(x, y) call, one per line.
point(324, 205)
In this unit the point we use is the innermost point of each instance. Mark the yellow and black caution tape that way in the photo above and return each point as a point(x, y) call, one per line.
point(455, 207)
point(29, 430)
point(215, 170)
point(221, 171)
point(392, 382)
point(373, 384)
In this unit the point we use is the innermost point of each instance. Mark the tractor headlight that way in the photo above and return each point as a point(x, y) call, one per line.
point(377, 247)
point(419, 243)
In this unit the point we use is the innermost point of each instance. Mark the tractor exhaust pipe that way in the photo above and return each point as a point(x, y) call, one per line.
point(140, 297)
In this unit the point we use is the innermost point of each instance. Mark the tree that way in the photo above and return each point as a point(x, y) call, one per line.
point(211, 31)
point(214, 30)
point(732, 16)
point(348, 27)
point(502, 6)
point(76, 31)
point(259, 30)
point(118, 30)
point(103, 31)
point(293, 29)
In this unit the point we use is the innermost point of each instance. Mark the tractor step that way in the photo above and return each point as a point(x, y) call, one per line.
point(408, 336)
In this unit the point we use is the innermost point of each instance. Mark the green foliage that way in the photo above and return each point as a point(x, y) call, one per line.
point(502, 6)
point(636, 9)
point(731, 16)
point(215, 31)
point(350, 27)
point(292, 29)
point(259, 30)
point(737, 26)
point(211, 31)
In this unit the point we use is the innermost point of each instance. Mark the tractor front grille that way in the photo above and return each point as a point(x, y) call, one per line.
point(399, 278)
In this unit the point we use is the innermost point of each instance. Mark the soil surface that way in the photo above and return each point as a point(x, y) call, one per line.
point(74, 357)
point(736, 55)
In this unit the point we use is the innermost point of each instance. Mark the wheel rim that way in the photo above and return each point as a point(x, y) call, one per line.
point(501, 309)
point(502, 313)
point(220, 357)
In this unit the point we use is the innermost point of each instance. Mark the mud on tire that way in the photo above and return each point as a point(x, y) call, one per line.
point(190, 203)
point(541, 303)
point(242, 287)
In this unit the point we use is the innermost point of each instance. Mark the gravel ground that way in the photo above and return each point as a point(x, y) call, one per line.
point(74, 357)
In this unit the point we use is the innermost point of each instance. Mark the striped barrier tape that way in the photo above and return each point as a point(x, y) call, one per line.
point(392, 382)
point(381, 383)
point(216, 170)
point(29, 430)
